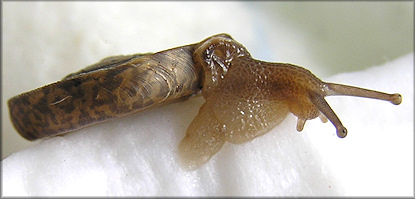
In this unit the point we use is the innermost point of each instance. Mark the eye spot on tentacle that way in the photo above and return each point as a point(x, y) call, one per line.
point(396, 99)
point(341, 131)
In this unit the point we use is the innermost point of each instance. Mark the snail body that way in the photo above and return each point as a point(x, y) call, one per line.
point(245, 98)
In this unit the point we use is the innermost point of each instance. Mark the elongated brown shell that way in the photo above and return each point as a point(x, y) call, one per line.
point(112, 88)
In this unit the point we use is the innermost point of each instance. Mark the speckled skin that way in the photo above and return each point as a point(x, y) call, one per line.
point(245, 98)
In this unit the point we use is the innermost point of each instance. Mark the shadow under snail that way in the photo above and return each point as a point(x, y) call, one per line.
point(245, 98)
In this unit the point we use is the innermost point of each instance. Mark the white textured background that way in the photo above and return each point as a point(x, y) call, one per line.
point(43, 42)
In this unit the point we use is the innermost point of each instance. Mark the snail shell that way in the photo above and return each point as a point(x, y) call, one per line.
point(115, 87)
point(245, 98)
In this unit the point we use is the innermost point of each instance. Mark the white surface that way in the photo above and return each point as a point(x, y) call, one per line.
point(137, 155)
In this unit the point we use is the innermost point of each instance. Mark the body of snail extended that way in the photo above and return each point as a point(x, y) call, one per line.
point(245, 98)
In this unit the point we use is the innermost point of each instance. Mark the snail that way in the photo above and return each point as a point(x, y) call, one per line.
point(245, 98)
